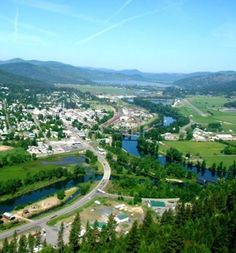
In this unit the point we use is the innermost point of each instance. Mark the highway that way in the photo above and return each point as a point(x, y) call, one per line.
point(70, 208)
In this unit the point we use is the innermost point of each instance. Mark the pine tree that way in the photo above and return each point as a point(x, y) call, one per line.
point(13, 243)
point(5, 248)
point(22, 248)
point(38, 239)
point(133, 240)
point(60, 241)
point(31, 243)
point(75, 233)
point(108, 234)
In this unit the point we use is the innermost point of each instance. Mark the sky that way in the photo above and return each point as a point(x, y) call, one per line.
point(149, 35)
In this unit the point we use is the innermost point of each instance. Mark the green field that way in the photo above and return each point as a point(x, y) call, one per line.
point(210, 151)
point(212, 108)
point(101, 89)
point(20, 171)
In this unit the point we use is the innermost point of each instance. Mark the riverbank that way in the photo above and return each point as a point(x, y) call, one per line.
point(30, 189)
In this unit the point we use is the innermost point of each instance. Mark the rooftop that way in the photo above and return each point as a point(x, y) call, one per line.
point(155, 203)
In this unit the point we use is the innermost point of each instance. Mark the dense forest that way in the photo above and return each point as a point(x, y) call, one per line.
point(207, 224)
point(163, 110)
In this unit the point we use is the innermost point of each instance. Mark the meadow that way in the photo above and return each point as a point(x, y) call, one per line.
point(101, 89)
point(22, 170)
point(209, 151)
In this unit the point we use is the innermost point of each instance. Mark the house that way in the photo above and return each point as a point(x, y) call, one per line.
point(156, 204)
point(120, 206)
point(99, 225)
point(224, 137)
point(9, 216)
point(122, 217)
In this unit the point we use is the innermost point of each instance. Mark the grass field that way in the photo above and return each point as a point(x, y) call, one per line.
point(20, 171)
point(101, 89)
point(210, 151)
point(212, 107)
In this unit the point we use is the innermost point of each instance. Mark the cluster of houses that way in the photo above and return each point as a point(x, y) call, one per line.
point(41, 149)
point(131, 118)
point(201, 135)
point(19, 123)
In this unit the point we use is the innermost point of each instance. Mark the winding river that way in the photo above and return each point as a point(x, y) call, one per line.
point(129, 144)
point(44, 192)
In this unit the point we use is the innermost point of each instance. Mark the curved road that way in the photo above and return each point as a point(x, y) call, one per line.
point(68, 209)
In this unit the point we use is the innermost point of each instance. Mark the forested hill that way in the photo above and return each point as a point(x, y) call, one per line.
point(224, 81)
point(11, 80)
point(57, 72)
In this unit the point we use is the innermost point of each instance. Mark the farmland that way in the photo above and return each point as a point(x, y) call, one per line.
point(210, 151)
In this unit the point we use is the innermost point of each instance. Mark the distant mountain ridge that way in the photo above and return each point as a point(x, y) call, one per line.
point(51, 72)
point(57, 72)
point(11, 80)
point(222, 80)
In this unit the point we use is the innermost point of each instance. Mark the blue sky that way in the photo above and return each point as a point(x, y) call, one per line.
point(150, 35)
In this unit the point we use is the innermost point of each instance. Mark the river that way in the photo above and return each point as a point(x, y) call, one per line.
point(34, 196)
point(129, 144)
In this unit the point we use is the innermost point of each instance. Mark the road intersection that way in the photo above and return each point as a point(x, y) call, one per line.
point(42, 222)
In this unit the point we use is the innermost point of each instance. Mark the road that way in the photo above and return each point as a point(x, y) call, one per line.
point(68, 209)
point(199, 112)
point(37, 123)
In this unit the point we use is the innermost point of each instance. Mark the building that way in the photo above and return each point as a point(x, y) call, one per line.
point(99, 225)
point(122, 217)
point(225, 137)
point(156, 204)
point(9, 216)
point(170, 137)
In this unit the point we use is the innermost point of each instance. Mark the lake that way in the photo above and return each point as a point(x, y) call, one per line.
point(129, 144)
point(9, 205)
point(167, 121)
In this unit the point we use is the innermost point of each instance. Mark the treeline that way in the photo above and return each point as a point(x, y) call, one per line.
point(207, 224)
point(148, 147)
point(105, 118)
point(17, 141)
point(163, 110)
point(90, 157)
point(11, 186)
point(145, 177)
point(230, 104)
point(15, 156)
point(158, 126)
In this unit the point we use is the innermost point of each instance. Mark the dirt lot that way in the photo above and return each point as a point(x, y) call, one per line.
point(101, 209)
point(43, 205)
point(5, 148)
point(38, 207)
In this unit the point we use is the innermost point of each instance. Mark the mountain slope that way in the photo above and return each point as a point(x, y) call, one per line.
point(10, 80)
point(219, 81)
point(57, 72)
